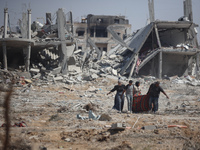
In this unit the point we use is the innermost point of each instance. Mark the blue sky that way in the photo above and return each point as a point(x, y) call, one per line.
point(135, 10)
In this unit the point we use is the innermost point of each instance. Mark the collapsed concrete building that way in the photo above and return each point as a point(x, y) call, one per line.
point(162, 47)
point(103, 45)
point(51, 44)
point(104, 31)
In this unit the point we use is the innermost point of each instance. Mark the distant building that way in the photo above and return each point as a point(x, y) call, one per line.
point(95, 27)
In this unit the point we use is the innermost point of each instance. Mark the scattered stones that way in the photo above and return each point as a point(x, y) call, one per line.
point(105, 117)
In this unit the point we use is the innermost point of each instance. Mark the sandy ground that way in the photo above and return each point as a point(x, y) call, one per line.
point(50, 112)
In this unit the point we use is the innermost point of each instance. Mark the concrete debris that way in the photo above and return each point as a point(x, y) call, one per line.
point(58, 78)
point(105, 117)
point(91, 116)
point(118, 126)
point(149, 127)
point(34, 70)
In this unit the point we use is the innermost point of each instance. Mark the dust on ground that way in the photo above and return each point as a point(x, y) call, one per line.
point(50, 112)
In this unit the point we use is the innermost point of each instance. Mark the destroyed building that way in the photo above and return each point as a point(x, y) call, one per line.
point(162, 48)
point(101, 29)
point(44, 47)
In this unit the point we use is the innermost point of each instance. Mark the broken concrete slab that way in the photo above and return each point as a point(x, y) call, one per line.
point(94, 71)
point(111, 77)
point(114, 72)
point(56, 70)
point(94, 76)
point(26, 75)
point(58, 78)
point(72, 68)
point(149, 127)
point(34, 70)
point(118, 126)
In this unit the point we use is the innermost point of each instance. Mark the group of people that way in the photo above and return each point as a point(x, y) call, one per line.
point(131, 91)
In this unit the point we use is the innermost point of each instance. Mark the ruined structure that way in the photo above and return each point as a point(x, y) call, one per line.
point(104, 45)
point(163, 48)
point(50, 44)
point(104, 31)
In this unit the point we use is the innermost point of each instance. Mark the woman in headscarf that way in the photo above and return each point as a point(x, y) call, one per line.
point(119, 97)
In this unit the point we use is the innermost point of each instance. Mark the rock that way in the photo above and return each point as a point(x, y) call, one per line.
point(56, 70)
point(114, 72)
point(88, 107)
point(67, 140)
point(73, 68)
point(77, 51)
point(28, 80)
point(94, 71)
point(105, 117)
point(112, 77)
point(118, 126)
point(36, 76)
point(58, 78)
point(112, 56)
point(34, 70)
point(94, 76)
point(26, 75)
point(69, 81)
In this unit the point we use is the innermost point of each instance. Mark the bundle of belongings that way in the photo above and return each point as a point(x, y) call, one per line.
point(141, 103)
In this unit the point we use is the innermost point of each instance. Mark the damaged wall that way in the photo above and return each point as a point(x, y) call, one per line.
point(172, 37)
point(95, 27)
point(173, 64)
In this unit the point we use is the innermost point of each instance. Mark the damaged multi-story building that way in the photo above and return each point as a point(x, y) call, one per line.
point(161, 48)
point(101, 30)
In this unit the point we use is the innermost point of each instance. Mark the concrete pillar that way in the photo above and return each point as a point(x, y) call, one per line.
point(197, 64)
point(29, 24)
point(27, 65)
point(5, 36)
point(5, 56)
point(5, 22)
point(95, 28)
point(157, 36)
point(151, 10)
point(133, 66)
point(160, 65)
point(61, 35)
point(71, 22)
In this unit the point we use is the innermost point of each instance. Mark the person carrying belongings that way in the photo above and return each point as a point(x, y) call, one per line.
point(130, 90)
point(154, 92)
point(119, 97)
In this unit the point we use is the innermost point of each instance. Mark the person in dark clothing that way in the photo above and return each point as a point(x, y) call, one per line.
point(154, 91)
point(119, 97)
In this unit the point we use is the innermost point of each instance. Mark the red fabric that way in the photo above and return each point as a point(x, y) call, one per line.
point(140, 103)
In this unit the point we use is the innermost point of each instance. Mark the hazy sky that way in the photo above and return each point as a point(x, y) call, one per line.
point(134, 10)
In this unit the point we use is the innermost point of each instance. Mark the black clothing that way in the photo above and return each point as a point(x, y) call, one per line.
point(119, 102)
point(154, 91)
point(119, 98)
point(118, 88)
